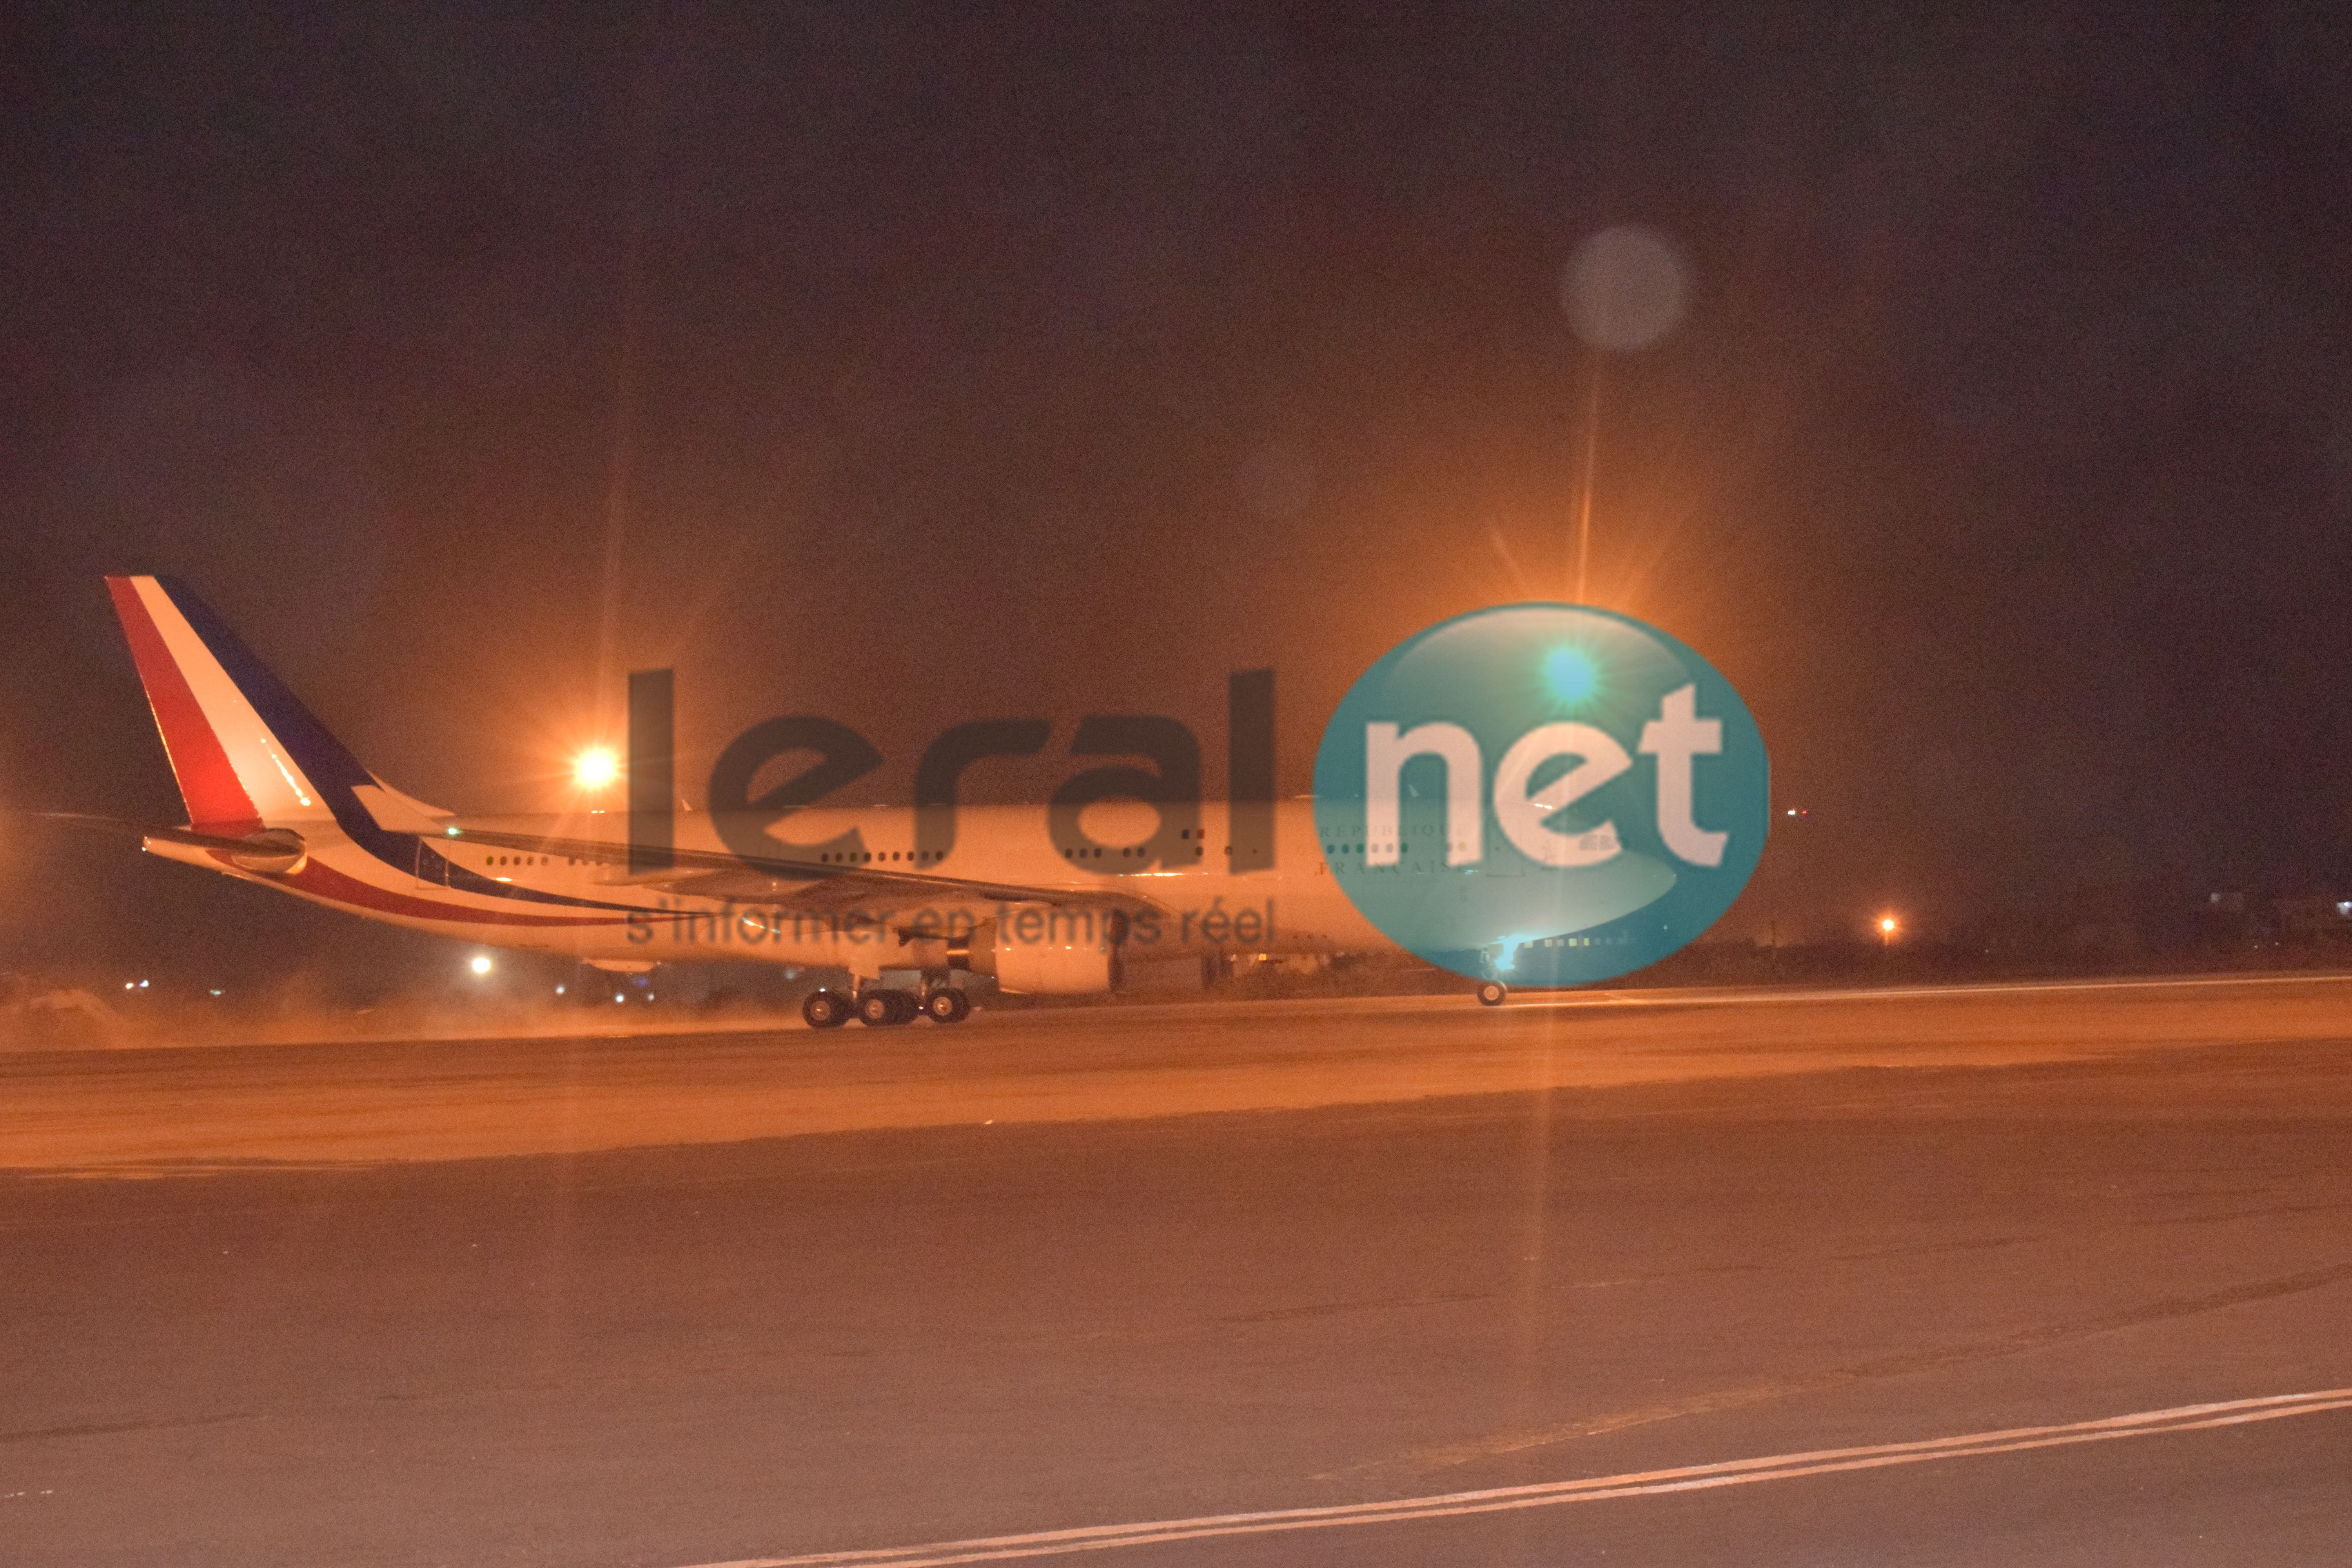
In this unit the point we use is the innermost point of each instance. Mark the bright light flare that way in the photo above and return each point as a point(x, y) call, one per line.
point(481, 964)
point(596, 768)
point(1571, 674)
point(1888, 926)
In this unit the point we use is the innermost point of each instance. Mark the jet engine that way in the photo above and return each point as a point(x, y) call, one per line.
point(1046, 950)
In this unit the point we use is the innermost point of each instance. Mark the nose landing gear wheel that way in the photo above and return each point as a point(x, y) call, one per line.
point(1492, 993)
point(948, 1006)
point(823, 1010)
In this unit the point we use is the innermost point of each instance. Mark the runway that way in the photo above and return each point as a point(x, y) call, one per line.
point(2049, 1274)
point(321, 1105)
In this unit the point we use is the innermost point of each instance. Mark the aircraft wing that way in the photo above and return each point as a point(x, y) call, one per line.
point(803, 884)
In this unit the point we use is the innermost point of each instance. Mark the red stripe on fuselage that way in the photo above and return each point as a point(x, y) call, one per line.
point(336, 887)
point(216, 801)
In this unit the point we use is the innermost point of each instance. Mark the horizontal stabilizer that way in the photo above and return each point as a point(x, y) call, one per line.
point(117, 826)
point(271, 849)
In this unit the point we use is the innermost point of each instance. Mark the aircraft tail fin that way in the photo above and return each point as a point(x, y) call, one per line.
point(246, 753)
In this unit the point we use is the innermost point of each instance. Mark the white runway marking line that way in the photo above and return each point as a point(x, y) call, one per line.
point(1639, 1483)
point(1740, 997)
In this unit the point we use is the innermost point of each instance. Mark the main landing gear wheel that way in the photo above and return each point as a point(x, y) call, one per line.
point(824, 1010)
point(948, 1006)
point(879, 1009)
point(1493, 993)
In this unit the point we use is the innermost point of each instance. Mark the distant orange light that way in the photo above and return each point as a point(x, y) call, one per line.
point(1887, 925)
point(595, 768)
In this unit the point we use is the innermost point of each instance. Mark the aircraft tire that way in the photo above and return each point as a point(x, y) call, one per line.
point(823, 1010)
point(1493, 993)
point(879, 1009)
point(947, 1005)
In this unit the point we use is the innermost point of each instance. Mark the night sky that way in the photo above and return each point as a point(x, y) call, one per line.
point(909, 364)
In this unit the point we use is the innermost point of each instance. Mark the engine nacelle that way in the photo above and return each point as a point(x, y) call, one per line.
point(1047, 950)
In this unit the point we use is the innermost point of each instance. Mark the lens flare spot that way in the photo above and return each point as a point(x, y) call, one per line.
point(1570, 675)
point(595, 768)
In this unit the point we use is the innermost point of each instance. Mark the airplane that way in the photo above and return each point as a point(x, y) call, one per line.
point(274, 799)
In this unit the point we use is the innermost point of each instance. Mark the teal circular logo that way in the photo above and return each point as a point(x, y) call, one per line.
point(1543, 794)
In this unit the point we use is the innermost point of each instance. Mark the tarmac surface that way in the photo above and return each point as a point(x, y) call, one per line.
point(2024, 1274)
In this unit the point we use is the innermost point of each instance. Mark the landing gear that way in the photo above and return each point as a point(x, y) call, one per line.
point(881, 1007)
point(1493, 993)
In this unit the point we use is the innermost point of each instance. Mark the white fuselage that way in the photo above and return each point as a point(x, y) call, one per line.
point(593, 908)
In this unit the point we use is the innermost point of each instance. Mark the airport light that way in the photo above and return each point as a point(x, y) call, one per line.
point(481, 964)
point(596, 768)
point(1888, 926)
